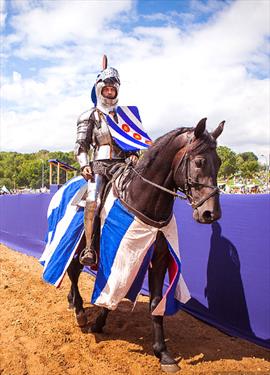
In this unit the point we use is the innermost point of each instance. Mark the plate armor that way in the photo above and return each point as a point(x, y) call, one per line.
point(93, 133)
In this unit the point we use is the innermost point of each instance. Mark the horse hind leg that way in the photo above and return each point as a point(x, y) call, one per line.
point(74, 298)
point(156, 279)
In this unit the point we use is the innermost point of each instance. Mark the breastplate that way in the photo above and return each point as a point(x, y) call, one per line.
point(104, 147)
point(101, 132)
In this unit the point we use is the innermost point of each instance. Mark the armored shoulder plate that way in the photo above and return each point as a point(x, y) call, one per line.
point(85, 115)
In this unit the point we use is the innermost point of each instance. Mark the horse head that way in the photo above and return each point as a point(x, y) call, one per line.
point(195, 169)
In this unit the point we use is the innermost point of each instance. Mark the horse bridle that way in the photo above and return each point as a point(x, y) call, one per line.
point(184, 161)
point(188, 184)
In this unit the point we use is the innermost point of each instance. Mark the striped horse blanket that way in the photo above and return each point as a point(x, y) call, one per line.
point(126, 248)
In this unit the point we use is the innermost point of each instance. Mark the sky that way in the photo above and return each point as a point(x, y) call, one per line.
point(179, 61)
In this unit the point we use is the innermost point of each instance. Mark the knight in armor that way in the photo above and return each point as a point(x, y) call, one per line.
point(93, 134)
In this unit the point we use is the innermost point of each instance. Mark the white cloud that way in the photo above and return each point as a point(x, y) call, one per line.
point(3, 13)
point(58, 22)
point(174, 77)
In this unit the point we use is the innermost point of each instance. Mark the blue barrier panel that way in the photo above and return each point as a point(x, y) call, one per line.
point(226, 265)
point(23, 222)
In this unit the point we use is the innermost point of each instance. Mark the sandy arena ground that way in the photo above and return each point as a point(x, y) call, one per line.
point(39, 336)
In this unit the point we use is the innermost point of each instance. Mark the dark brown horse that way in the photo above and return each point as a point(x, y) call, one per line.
point(184, 159)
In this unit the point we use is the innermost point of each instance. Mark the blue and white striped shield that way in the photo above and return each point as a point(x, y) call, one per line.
point(128, 133)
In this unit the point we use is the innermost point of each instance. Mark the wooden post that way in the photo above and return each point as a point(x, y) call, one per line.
point(58, 173)
point(50, 174)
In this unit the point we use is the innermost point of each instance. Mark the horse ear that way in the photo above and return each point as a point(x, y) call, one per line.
point(216, 133)
point(200, 128)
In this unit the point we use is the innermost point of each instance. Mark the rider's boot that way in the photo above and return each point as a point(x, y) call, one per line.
point(88, 256)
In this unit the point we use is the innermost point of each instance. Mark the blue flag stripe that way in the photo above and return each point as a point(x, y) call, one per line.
point(111, 236)
point(59, 212)
point(125, 146)
point(135, 111)
point(137, 284)
point(124, 134)
point(131, 123)
point(172, 304)
point(63, 251)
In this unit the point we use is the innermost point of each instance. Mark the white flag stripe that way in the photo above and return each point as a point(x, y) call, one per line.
point(126, 265)
point(171, 233)
point(56, 199)
point(125, 140)
point(58, 282)
point(132, 118)
point(130, 255)
point(132, 131)
point(182, 292)
point(107, 207)
point(62, 226)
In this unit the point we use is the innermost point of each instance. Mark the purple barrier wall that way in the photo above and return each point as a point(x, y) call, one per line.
point(226, 265)
point(23, 222)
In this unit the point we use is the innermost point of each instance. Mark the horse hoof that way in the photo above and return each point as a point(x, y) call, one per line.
point(170, 368)
point(81, 319)
point(70, 307)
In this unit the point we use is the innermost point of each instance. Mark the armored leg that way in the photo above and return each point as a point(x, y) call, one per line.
point(88, 256)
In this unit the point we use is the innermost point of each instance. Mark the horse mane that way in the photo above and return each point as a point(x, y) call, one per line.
point(199, 146)
point(158, 146)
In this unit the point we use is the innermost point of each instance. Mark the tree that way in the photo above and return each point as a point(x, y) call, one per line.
point(247, 164)
point(249, 168)
point(248, 156)
point(25, 170)
point(228, 162)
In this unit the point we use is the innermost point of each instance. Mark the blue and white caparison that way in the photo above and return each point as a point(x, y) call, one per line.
point(125, 251)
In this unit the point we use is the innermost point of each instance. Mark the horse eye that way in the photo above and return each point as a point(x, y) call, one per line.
point(200, 163)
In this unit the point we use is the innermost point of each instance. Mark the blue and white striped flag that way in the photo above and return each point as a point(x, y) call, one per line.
point(65, 230)
point(125, 255)
point(128, 133)
point(126, 249)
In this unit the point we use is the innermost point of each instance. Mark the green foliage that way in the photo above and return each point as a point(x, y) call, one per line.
point(248, 156)
point(249, 168)
point(228, 162)
point(244, 164)
point(25, 170)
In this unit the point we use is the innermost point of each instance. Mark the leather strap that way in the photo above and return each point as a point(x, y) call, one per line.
point(144, 218)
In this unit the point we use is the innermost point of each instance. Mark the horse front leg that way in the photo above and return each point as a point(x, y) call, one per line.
point(100, 322)
point(74, 298)
point(156, 280)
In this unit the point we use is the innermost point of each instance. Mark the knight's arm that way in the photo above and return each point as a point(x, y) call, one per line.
point(84, 138)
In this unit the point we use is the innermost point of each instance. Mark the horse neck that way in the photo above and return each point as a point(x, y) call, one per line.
point(146, 198)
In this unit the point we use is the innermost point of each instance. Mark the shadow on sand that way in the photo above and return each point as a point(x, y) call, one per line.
point(188, 337)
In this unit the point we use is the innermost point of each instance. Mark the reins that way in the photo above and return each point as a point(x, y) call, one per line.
point(174, 193)
point(188, 183)
point(183, 162)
